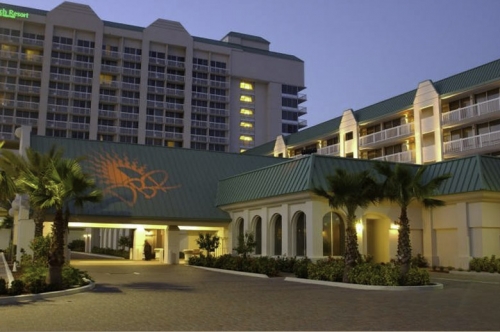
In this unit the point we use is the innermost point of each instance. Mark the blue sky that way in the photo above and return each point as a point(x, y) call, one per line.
point(356, 52)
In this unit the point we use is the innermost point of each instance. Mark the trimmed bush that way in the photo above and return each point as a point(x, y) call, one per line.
point(374, 274)
point(419, 261)
point(300, 268)
point(417, 277)
point(485, 264)
point(328, 269)
point(16, 287)
point(111, 252)
point(77, 245)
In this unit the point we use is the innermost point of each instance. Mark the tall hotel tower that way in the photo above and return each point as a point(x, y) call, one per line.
point(67, 73)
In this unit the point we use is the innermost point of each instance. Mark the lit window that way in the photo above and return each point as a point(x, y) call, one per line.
point(105, 79)
point(246, 138)
point(171, 144)
point(246, 124)
point(246, 111)
point(246, 99)
point(246, 86)
point(242, 150)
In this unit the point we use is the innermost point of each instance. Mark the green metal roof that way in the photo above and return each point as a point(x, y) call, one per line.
point(384, 108)
point(123, 26)
point(470, 174)
point(266, 149)
point(246, 48)
point(248, 37)
point(476, 173)
point(154, 183)
point(470, 78)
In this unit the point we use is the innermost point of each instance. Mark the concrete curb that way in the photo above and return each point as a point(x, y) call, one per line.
point(42, 296)
point(434, 286)
point(246, 274)
point(474, 273)
point(10, 277)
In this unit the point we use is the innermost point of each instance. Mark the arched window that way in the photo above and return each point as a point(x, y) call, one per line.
point(240, 227)
point(258, 235)
point(333, 235)
point(300, 233)
point(277, 235)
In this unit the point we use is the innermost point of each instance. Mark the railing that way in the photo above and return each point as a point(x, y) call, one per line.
point(79, 126)
point(175, 78)
point(174, 121)
point(219, 126)
point(218, 111)
point(108, 114)
point(59, 46)
point(200, 68)
point(82, 80)
point(175, 64)
point(108, 98)
point(6, 136)
point(26, 121)
point(156, 89)
point(218, 70)
point(218, 84)
point(200, 81)
point(129, 116)
point(30, 73)
point(131, 71)
point(80, 110)
point(472, 143)
point(200, 110)
point(156, 74)
point(27, 105)
point(155, 118)
point(198, 138)
point(31, 58)
point(31, 41)
point(219, 98)
point(58, 108)
point(83, 64)
point(129, 101)
point(110, 69)
point(471, 111)
point(302, 123)
point(171, 135)
point(330, 150)
point(60, 77)
point(8, 86)
point(29, 88)
point(84, 50)
point(174, 106)
point(128, 131)
point(399, 131)
point(130, 86)
point(200, 95)
point(218, 140)
point(154, 133)
point(107, 129)
point(401, 157)
point(198, 124)
point(174, 92)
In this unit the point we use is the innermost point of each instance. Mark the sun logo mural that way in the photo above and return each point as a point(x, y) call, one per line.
point(127, 179)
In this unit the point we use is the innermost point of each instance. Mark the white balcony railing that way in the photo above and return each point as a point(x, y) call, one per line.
point(330, 150)
point(401, 157)
point(471, 111)
point(399, 131)
point(472, 143)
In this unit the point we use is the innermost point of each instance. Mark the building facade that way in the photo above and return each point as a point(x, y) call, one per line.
point(67, 73)
point(454, 117)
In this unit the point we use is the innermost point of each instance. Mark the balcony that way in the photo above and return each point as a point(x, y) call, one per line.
point(60, 77)
point(128, 131)
point(107, 129)
point(200, 81)
point(472, 145)
point(218, 140)
point(199, 110)
point(219, 98)
point(83, 65)
point(63, 47)
point(129, 116)
point(82, 80)
point(57, 124)
point(174, 121)
point(108, 98)
point(60, 62)
point(26, 122)
point(175, 64)
point(302, 124)
point(130, 101)
point(199, 124)
point(217, 70)
point(30, 73)
point(83, 50)
point(302, 97)
point(29, 89)
point(154, 133)
point(131, 72)
point(386, 135)
point(32, 41)
point(156, 74)
point(132, 57)
point(59, 93)
point(174, 106)
point(27, 105)
point(198, 138)
point(58, 108)
point(219, 84)
point(80, 110)
point(401, 157)
point(108, 114)
point(7, 87)
point(110, 69)
point(302, 110)
point(201, 68)
point(219, 112)
point(131, 86)
point(220, 126)
point(175, 78)
point(174, 92)
point(31, 58)
point(330, 150)
point(156, 61)
point(79, 126)
point(470, 113)
point(171, 135)
point(156, 89)
point(9, 55)
point(155, 119)
point(200, 95)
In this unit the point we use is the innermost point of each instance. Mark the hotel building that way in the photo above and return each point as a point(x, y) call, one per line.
point(457, 116)
point(67, 73)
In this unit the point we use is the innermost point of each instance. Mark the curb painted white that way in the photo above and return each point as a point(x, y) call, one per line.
point(47, 295)
point(434, 286)
point(10, 277)
point(247, 274)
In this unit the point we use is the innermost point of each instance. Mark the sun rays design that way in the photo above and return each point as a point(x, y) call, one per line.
point(126, 179)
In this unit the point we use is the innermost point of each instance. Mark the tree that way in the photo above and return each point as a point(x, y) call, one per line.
point(208, 242)
point(125, 241)
point(246, 244)
point(63, 185)
point(7, 185)
point(34, 166)
point(348, 192)
point(403, 185)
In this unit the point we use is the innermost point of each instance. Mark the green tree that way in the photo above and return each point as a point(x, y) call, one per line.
point(403, 185)
point(348, 191)
point(246, 244)
point(125, 241)
point(7, 185)
point(64, 184)
point(33, 166)
point(208, 242)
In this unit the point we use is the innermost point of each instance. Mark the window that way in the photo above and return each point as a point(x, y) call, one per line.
point(217, 147)
point(154, 126)
point(198, 146)
point(333, 235)
point(289, 128)
point(129, 124)
point(246, 138)
point(246, 124)
point(246, 86)
point(86, 43)
point(349, 136)
point(81, 119)
point(388, 150)
point(128, 139)
point(290, 115)
point(257, 230)
point(246, 111)
point(198, 61)
point(106, 122)
point(277, 235)
point(80, 134)
point(246, 99)
point(392, 123)
point(108, 138)
point(289, 102)
point(461, 103)
point(300, 234)
point(289, 89)
point(332, 141)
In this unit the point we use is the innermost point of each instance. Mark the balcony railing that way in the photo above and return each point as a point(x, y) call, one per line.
point(471, 111)
point(175, 78)
point(218, 140)
point(399, 131)
point(401, 157)
point(472, 143)
point(330, 150)
point(171, 135)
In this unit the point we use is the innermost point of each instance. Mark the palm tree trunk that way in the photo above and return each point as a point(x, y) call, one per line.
point(404, 244)
point(351, 252)
point(56, 255)
point(39, 218)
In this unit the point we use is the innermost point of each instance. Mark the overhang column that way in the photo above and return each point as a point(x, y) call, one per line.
point(463, 236)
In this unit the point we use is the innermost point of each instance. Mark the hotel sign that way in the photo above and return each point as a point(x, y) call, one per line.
point(10, 13)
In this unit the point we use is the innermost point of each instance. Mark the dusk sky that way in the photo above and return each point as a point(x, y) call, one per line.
point(356, 52)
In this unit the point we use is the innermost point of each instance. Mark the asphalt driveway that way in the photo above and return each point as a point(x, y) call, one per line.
point(150, 296)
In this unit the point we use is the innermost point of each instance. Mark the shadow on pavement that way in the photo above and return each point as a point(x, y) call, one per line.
point(158, 286)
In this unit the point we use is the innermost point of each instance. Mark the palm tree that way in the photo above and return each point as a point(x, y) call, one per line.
point(403, 185)
point(34, 166)
point(7, 185)
point(64, 185)
point(348, 192)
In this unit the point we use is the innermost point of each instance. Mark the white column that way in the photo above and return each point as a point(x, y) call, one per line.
point(463, 234)
point(285, 231)
point(172, 252)
point(429, 238)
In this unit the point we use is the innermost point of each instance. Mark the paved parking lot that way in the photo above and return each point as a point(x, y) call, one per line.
point(149, 296)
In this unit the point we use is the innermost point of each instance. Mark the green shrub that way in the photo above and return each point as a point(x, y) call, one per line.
point(262, 265)
point(286, 264)
point(417, 277)
point(111, 252)
point(77, 245)
point(3, 286)
point(74, 277)
point(33, 277)
point(300, 268)
point(419, 261)
point(329, 269)
point(16, 287)
point(485, 264)
point(374, 274)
